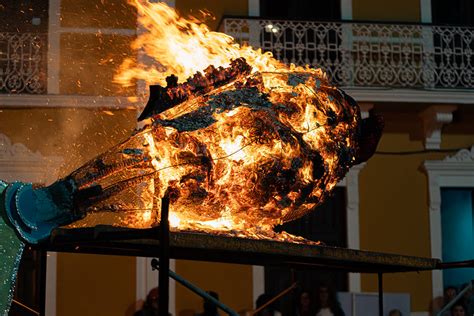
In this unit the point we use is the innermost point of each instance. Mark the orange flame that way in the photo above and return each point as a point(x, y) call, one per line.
point(171, 44)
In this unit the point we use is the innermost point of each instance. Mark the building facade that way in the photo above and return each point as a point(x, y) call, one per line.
point(407, 60)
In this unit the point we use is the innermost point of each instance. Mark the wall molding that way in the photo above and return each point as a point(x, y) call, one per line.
point(18, 163)
point(444, 96)
point(95, 30)
point(453, 171)
point(434, 118)
point(66, 101)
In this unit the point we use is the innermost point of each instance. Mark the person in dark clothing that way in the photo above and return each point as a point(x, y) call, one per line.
point(210, 309)
point(150, 307)
point(327, 303)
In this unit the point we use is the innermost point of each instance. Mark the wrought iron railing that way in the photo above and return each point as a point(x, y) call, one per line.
point(23, 63)
point(367, 54)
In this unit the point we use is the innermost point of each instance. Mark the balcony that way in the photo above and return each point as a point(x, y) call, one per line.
point(23, 63)
point(369, 56)
point(27, 61)
point(375, 60)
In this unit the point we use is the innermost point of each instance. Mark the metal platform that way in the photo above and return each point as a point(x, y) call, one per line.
point(197, 246)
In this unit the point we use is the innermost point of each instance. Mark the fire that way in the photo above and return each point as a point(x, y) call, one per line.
point(234, 148)
point(239, 141)
point(174, 45)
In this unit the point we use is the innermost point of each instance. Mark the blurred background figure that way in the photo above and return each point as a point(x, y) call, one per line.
point(209, 308)
point(395, 312)
point(449, 294)
point(438, 303)
point(269, 310)
point(150, 307)
point(326, 302)
point(305, 304)
point(458, 309)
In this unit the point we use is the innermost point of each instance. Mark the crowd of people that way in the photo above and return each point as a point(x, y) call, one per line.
point(462, 306)
point(323, 302)
point(151, 308)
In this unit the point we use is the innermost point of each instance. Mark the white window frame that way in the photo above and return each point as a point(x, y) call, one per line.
point(453, 171)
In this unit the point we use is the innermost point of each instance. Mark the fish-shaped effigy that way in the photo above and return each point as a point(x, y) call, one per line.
point(243, 152)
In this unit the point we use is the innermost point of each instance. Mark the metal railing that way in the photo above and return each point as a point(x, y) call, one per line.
point(367, 54)
point(23, 63)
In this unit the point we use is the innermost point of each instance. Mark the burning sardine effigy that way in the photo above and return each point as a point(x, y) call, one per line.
point(234, 151)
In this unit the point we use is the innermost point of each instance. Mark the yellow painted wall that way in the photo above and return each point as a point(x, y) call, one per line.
point(218, 8)
point(95, 285)
point(232, 282)
point(89, 61)
point(401, 10)
point(87, 284)
point(98, 13)
point(394, 215)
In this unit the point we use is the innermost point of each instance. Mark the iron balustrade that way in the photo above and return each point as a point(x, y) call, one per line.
point(23, 63)
point(365, 54)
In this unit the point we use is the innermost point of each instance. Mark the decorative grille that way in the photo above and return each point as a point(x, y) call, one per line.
point(367, 55)
point(23, 63)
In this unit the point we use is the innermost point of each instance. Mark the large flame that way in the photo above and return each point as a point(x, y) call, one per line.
point(171, 44)
point(243, 145)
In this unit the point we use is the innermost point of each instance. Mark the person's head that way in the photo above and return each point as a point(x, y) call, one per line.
point(458, 310)
point(395, 312)
point(305, 300)
point(152, 298)
point(326, 297)
point(450, 293)
point(323, 294)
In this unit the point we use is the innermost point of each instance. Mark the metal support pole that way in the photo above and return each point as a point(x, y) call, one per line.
point(163, 279)
point(380, 279)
